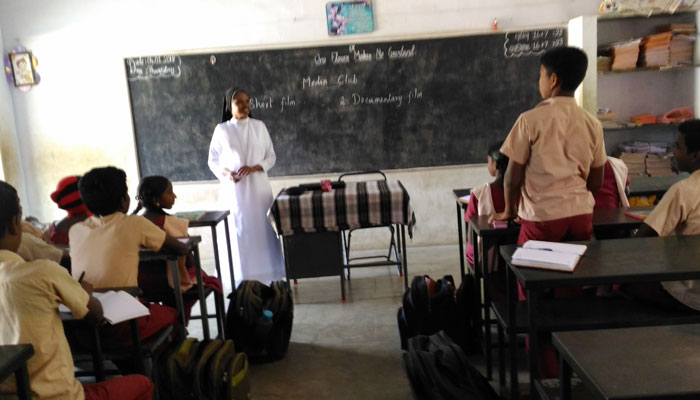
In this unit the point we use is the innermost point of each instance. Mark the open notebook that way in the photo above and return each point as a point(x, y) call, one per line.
point(117, 306)
point(548, 255)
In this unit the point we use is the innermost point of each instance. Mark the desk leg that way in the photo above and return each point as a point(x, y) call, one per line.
point(342, 270)
point(485, 246)
point(461, 241)
point(404, 259)
point(202, 300)
point(564, 379)
point(217, 262)
point(533, 332)
point(97, 358)
point(137, 354)
point(478, 321)
point(179, 307)
point(22, 382)
point(230, 255)
point(512, 337)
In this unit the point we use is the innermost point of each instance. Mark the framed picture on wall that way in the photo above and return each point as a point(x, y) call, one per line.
point(349, 17)
point(22, 69)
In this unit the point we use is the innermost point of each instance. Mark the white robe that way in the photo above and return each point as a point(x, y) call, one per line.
point(257, 254)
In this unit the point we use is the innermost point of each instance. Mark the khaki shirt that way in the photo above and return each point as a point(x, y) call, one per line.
point(558, 142)
point(30, 293)
point(107, 248)
point(678, 213)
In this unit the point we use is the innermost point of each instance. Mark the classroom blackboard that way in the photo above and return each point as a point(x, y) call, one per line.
point(334, 108)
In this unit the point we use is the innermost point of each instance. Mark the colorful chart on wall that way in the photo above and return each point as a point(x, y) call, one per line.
point(349, 17)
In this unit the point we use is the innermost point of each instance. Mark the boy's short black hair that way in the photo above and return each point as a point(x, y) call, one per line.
point(691, 134)
point(103, 189)
point(9, 206)
point(569, 63)
point(499, 158)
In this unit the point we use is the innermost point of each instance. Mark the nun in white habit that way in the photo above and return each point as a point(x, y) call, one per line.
point(240, 154)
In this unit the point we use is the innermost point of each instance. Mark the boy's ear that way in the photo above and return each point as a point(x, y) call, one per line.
point(554, 80)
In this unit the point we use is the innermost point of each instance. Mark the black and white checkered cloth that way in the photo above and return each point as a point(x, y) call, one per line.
point(358, 205)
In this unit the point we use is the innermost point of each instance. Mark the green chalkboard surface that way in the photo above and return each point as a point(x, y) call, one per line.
point(364, 106)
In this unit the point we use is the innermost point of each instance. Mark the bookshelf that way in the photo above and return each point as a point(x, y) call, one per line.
point(634, 91)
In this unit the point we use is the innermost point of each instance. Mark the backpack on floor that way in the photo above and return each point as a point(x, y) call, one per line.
point(251, 331)
point(438, 369)
point(206, 370)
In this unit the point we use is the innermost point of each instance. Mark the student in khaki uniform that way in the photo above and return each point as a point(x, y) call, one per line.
point(677, 213)
point(30, 293)
point(557, 157)
point(106, 245)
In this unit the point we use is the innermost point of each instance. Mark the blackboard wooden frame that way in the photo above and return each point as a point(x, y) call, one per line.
point(476, 86)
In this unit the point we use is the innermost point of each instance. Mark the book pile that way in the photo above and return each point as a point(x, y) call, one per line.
point(624, 54)
point(604, 63)
point(659, 164)
point(635, 163)
point(656, 50)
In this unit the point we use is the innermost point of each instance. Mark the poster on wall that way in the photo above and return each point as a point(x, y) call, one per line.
point(22, 68)
point(349, 17)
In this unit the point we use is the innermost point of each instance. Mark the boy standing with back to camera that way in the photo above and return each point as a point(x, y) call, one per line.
point(557, 157)
point(557, 161)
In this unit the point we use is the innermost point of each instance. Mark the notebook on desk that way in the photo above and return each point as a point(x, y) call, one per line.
point(190, 215)
point(117, 306)
point(548, 255)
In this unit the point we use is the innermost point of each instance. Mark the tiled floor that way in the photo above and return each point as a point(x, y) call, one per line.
point(348, 350)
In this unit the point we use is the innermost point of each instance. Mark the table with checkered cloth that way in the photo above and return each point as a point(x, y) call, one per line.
point(358, 205)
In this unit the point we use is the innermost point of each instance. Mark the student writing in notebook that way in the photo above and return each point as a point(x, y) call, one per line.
point(678, 212)
point(30, 293)
point(488, 199)
point(557, 157)
point(106, 245)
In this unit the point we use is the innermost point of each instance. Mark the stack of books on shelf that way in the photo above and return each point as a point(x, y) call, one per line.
point(659, 164)
point(656, 50)
point(647, 158)
point(624, 54)
point(635, 163)
point(682, 44)
point(604, 63)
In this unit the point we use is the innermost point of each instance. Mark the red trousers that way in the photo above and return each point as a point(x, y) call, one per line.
point(130, 387)
point(578, 227)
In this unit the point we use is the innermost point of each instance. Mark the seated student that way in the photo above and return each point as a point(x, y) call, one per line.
point(488, 198)
point(613, 192)
point(29, 299)
point(106, 245)
point(67, 197)
point(557, 157)
point(678, 212)
point(155, 195)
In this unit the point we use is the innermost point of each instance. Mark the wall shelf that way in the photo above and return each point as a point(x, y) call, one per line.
point(648, 69)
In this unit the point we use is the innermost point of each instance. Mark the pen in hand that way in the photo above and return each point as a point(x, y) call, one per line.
point(82, 275)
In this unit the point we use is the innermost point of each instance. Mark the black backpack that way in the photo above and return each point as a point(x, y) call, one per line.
point(248, 328)
point(428, 307)
point(206, 370)
point(438, 370)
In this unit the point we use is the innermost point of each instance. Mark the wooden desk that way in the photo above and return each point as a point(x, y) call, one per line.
point(461, 210)
point(638, 260)
point(171, 257)
point(633, 363)
point(653, 185)
point(212, 219)
point(604, 220)
point(13, 360)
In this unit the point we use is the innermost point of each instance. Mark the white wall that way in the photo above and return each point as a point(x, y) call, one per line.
point(78, 117)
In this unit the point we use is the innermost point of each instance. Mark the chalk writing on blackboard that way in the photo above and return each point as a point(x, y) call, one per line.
point(167, 66)
point(532, 43)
